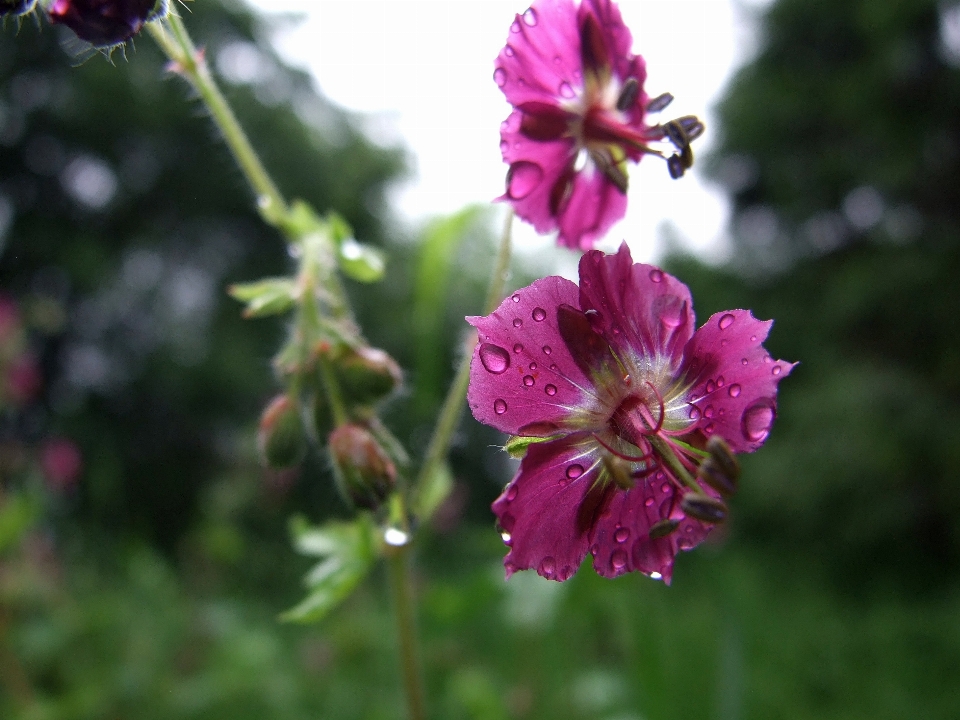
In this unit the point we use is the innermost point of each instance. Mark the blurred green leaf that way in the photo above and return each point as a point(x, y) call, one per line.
point(360, 262)
point(17, 514)
point(434, 490)
point(270, 296)
point(347, 549)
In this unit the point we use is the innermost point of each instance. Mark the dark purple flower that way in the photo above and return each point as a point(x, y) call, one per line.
point(579, 115)
point(623, 405)
point(104, 23)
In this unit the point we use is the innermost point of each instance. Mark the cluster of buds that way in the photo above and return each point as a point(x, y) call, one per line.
point(102, 23)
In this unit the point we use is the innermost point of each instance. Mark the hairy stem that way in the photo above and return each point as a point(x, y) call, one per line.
point(404, 608)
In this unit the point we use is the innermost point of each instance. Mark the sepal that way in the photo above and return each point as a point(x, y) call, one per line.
point(270, 296)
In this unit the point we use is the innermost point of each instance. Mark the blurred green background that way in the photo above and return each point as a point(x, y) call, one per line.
point(149, 580)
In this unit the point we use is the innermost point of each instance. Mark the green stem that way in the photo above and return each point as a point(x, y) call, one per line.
point(453, 403)
point(191, 64)
point(403, 604)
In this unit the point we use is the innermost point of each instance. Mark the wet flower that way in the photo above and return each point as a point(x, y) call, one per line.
point(580, 114)
point(618, 403)
point(104, 23)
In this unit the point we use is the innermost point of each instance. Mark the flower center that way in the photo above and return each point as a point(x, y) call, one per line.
point(639, 416)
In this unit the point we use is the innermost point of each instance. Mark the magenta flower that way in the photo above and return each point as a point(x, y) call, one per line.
point(579, 115)
point(622, 404)
point(104, 23)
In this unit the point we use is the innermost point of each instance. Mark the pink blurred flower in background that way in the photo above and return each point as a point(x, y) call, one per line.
point(61, 463)
point(614, 391)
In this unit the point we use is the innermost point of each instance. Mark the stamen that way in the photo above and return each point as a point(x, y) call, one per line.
point(629, 94)
point(659, 102)
point(623, 456)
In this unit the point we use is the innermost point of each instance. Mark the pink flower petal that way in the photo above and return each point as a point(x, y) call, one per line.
point(620, 541)
point(538, 511)
point(642, 311)
point(522, 372)
point(595, 204)
point(734, 379)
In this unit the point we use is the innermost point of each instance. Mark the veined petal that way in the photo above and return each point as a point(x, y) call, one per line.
point(595, 203)
point(538, 510)
point(620, 541)
point(733, 380)
point(522, 371)
point(642, 311)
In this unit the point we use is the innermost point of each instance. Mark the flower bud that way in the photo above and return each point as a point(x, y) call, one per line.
point(364, 472)
point(104, 23)
point(720, 470)
point(703, 508)
point(367, 374)
point(16, 7)
point(281, 439)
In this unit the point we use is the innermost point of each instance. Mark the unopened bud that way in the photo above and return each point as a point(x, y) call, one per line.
point(703, 508)
point(281, 439)
point(663, 528)
point(367, 374)
point(363, 469)
point(720, 470)
point(104, 23)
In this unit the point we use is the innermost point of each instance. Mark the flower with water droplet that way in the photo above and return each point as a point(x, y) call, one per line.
point(615, 429)
point(104, 23)
point(580, 114)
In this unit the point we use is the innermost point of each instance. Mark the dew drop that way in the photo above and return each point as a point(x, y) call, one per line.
point(511, 493)
point(528, 380)
point(709, 429)
point(744, 361)
point(508, 51)
point(757, 420)
point(777, 369)
point(618, 559)
point(499, 406)
point(708, 413)
point(547, 350)
point(711, 386)
point(665, 487)
point(533, 366)
point(500, 77)
point(669, 309)
point(655, 576)
point(523, 178)
point(504, 146)
point(733, 390)
point(494, 358)
point(720, 381)
point(515, 298)
point(621, 535)
point(574, 471)
point(550, 390)
point(595, 318)
point(539, 314)
point(753, 338)
point(553, 366)
point(694, 413)
point(656, 275)
point(566, 91)
point(648, 502)
point(518, 348)
point(515, 27)
point(548, 566)
point(517, 322)
point(594, 549)
point(530, 17)
point(726, 321)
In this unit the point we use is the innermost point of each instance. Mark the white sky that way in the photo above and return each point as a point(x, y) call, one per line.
point(422, 71)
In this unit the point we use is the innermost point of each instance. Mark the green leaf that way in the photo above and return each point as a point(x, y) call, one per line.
point(302, 220)
point(360, 262)
point(269, 296)
point(347, 550)
point(434, 490)
point(17, 514)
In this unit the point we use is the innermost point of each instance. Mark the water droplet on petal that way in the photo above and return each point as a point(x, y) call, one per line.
point(548, 566)
point(670, 310)
point(648, 502)
point(621, 535)
point(494, 358)
point(547, 350)
point(708, 413)
point(574, 471)
point(618, 560)
point(511, 493)
point(777, 369)
point(733, 390)
point(528, 380)
point(508, 50)
point(720, 381)
point(565, 90)
point(533, 366)
point(499, 406)
point(709, 429)
point(694, 413)
point(550, 390)
point(523, 178)
point(726, 321)
point(518, 348)
point(711, 386)
point(655, 576)
point(656, 275)
point(757, 420)
point(530, 17)
point(517, 322)
point(594, 549)
point(500, 77)
point(539, 314)
point(515, 27)
point(515, 298)
point(753, 338)
point(744, 361)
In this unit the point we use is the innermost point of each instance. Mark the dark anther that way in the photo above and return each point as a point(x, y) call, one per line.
point(663, 528)
point(611, 169)
point(675, 166)
point(659, 102)
point(629, 94)
point(686, 157)
point(703, 508)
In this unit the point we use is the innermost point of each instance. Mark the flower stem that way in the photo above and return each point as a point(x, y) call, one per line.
point(403, 605)
point(453, 403)
point(192, 65)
